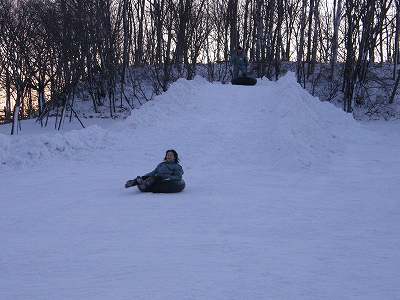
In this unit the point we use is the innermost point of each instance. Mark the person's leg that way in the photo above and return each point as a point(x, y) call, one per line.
point(130, 183)
point(243, 71)
point(235, 72)
point(138, 180)
point(147, 183)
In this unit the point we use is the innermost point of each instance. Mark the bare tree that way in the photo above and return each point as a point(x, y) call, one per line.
point(337, 9)
point(52, 51)
point(300, 47)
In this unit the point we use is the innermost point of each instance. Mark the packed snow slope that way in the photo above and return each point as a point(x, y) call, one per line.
point(287, 198)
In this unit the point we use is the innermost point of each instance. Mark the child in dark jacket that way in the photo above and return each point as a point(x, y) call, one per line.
point(239, 63)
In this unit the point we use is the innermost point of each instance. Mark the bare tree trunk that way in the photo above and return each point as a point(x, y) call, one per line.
point(366, 46)
point(300, 47)
point(317, 26)
point(246, 25)
point(14, 127)
point(348, 78)
point(181, 43)
point(8, 96)
point(278, 47)
point(259, 37)
point(232, 19)
point(396, 85)
point(314, 46)
point(140, 36)
point(291, 11)
point(127, 37)
point(41, 98)
point(17, 107)
point(63, 111)
point(396, 58)
point(335, 43)
point(309, 35)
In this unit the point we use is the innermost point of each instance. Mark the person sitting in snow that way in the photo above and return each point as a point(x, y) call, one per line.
point(165, 178)
point(239, 63)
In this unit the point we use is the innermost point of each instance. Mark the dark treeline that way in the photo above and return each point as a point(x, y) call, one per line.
point(50, 47)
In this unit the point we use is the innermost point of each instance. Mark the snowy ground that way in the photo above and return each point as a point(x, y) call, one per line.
point(287, 198)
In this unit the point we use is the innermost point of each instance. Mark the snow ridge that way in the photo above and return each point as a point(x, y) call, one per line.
point(279, 123)
point(19, 151)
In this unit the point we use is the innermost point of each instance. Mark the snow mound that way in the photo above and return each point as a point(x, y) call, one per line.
point(181, 98)
point(30, 150)
point(275, 124)
point(304, 131)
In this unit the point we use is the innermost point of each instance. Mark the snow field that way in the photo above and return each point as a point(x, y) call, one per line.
point(287, 198)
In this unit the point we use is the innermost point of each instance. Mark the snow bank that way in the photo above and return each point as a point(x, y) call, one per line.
point(304, 130)
point(273, 124)
point(181, 98)
point(276, 123)
point(31, 150)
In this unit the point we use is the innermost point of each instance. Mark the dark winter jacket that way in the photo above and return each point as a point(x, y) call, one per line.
point(167, 170)
point(239, 63)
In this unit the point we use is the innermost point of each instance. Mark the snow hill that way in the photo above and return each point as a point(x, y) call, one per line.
point(287, 198)
point(292, 128)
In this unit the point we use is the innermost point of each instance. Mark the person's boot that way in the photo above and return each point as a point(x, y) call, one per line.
point(146, 183)
point(139, 180)
point(130, 183)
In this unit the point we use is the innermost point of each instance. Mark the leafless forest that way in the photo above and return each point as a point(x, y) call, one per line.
point(50, 50)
